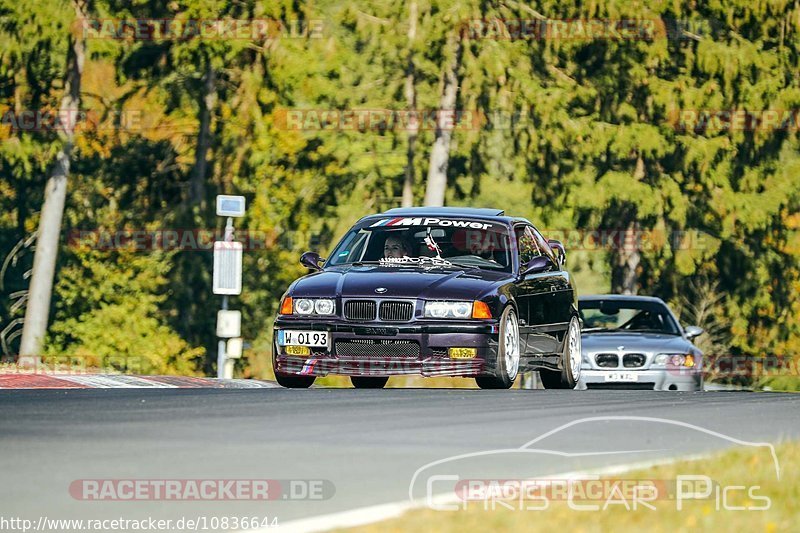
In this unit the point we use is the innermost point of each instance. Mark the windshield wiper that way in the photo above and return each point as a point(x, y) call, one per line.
point(651, 330)
point(587, 330)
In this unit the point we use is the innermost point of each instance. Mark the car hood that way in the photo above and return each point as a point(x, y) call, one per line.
point(362, 281)
point(644, 342)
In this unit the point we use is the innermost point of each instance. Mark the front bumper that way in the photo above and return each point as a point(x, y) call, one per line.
point(430, 343)
point(652, 379)
point(379, 366)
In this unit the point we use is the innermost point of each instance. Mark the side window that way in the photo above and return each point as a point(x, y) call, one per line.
point(544, 246)
point(526, 244)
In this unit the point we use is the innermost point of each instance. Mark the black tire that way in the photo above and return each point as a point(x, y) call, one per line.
point(361, 382)
point(568, 376)
point(502, 379)
point(290, 381)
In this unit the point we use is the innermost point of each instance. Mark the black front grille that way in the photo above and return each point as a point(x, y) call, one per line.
point(607, 360)
point(633, 360)
point(359, 310)
point(369, 348)
point(396, 311)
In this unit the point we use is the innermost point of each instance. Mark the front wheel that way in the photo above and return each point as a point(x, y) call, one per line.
point(570, 372)
point(368, 382)
point(507, 363)
point(294, 382)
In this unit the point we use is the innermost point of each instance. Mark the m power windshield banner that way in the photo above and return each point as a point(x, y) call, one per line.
point(433, 222)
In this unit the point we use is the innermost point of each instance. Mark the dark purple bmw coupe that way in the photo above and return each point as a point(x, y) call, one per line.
point(432, 291)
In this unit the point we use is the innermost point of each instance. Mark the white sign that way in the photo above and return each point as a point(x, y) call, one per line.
point(230, 206)
point(227, 267)
point(229, 324)
point(234, 348)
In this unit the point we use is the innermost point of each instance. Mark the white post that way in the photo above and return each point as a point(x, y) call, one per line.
point(221, 356)
point(229, 278)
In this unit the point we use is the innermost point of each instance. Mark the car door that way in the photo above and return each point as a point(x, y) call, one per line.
point(539, 295)
point(562, 301)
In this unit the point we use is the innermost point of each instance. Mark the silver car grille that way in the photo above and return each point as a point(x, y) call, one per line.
point(607, 360)
point(613, 360)
point(633, 360)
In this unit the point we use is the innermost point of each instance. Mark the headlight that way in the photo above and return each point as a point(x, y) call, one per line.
point(303, 306)
point(661, 359)
point(324, 306)
point(316, 306)
point(448, 309)
point(674, 359)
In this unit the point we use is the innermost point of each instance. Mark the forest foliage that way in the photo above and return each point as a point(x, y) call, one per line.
point(580, 131)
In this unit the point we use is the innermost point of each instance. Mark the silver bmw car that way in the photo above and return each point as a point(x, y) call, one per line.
point(636, 342)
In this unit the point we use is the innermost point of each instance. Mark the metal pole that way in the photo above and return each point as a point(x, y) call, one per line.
point(221, 346)
point(221, 354)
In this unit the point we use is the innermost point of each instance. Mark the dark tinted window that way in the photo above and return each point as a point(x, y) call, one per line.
point(527, 245)
point(463, 242)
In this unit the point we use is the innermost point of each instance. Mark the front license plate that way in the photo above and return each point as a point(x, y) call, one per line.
point(302, 338)
point(627, 377)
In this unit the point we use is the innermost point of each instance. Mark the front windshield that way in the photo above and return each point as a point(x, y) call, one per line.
point(426, 242)
point(627, 315)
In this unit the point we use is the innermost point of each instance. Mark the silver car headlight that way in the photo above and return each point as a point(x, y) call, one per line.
point(448, 309)
point(674, 359)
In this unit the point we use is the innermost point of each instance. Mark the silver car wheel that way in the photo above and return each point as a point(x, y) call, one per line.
point(574, 347)
point(511, 345)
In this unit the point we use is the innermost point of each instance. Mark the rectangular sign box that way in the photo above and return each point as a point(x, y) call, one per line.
point(230, 206)
point(229, 324)
point(227, 278)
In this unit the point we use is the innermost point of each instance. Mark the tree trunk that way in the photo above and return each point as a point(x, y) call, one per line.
point(197, 183)
point(440, 154)
point(626, 256)
point(44, 262)
point(625, 266)
point(411, 101)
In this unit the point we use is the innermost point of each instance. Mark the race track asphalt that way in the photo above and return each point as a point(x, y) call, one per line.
point(366, 443)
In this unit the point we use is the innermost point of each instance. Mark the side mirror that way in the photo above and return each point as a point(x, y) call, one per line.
point(561, 252)
point(311, 260)
point(537, 264)
point(692, 332)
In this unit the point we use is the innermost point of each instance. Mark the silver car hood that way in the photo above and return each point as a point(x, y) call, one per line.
point(640, 342)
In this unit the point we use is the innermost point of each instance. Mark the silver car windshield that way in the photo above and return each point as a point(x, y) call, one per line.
point(627, 315)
